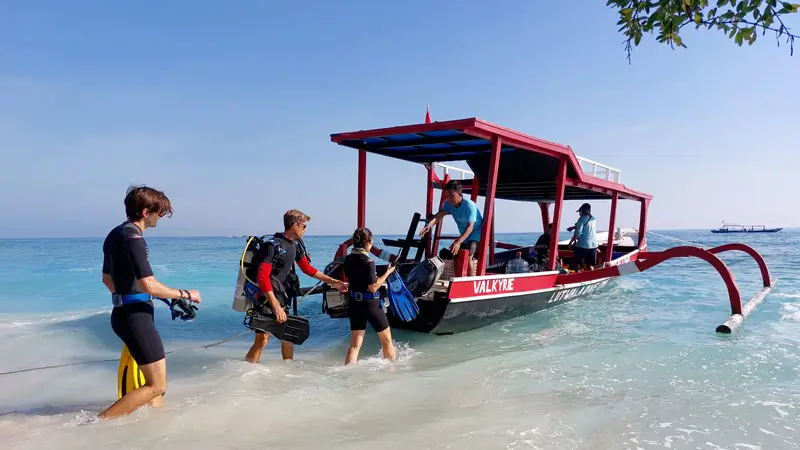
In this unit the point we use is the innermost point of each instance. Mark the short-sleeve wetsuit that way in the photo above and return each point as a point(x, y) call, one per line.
point(126, 259)
point(360, 271)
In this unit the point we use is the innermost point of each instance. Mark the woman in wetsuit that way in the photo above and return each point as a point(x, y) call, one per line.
point(364, 303)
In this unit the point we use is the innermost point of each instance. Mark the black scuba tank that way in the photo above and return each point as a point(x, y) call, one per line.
point(424, 275)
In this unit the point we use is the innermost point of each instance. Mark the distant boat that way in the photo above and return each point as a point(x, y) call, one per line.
point(735, 228)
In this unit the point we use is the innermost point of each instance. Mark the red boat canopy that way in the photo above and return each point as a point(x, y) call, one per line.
point(528, 166)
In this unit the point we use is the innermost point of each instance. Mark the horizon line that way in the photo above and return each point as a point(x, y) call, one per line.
point(202, 236)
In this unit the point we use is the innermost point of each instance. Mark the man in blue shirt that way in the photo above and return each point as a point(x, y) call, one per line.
point(585, 239)
point(467, 217)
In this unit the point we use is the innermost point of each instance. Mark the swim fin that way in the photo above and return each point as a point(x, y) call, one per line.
point(402, 303)
point(129, 376)
point(295, 330)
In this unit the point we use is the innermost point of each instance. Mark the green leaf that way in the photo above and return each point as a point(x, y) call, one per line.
point(698, 19)
point(712, 13)
point(627, 13)
point(772, 3)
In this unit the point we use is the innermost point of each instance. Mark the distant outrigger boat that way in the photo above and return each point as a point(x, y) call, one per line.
point(735, 228)
point(509, 165)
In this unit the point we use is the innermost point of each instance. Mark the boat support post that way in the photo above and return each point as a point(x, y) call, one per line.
point(561, 181)
point(488, 208)
point(646, 260)
point(736, 319)
point(362, 189)
point(738, 312)
point(611, 225)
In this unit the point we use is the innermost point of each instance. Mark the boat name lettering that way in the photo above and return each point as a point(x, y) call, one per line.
point(492, 286)
point(568, 294)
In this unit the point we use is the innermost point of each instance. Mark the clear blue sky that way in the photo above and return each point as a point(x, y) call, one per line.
point(228, 107)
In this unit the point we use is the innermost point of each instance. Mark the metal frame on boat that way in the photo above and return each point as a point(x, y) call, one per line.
point(506, 164)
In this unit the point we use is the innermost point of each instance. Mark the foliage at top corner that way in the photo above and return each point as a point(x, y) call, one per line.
point(741, 20)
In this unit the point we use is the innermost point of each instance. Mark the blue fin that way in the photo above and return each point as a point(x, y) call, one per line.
point(401, 303)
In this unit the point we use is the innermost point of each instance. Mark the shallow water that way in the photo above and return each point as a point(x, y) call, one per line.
point(636, 366)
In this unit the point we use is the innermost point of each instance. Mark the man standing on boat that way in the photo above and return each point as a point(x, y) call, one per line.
point(585, 239)
point(468, 219)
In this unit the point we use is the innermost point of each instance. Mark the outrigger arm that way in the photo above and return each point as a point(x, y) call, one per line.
point(646, 260)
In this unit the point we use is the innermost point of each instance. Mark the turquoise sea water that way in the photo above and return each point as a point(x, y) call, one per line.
point(635, 366)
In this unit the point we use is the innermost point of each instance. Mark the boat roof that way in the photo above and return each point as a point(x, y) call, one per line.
point(528, 166)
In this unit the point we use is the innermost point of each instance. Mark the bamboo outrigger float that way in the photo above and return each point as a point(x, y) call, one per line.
point(507, 164)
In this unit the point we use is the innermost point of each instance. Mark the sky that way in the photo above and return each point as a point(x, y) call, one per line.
point(228, 107)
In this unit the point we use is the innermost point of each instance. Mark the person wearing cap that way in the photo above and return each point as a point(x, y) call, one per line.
point(584, 239)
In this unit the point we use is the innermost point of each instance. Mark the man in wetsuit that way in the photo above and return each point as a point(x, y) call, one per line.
point(467, 218)
point(128, 276)
point(272, 269)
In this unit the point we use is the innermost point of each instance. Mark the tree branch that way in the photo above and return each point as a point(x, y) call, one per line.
point(669, 17)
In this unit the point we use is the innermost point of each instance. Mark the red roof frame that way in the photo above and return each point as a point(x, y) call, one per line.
point(486, 130)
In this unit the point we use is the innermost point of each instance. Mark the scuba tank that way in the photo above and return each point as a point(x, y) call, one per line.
point(423, 276)
point(241, 301)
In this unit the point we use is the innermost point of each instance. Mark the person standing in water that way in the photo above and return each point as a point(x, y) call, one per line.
point(128, 276)
point(364, 303)
point(271, 267)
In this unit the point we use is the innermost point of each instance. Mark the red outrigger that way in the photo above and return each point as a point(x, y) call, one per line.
point(506, 164)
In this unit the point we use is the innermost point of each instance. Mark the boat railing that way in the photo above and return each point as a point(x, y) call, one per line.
point(599, 170)
point(588, 166)
point(464, 174)
point(736, 225)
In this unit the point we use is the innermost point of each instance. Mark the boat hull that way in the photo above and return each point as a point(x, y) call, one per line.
point(769, 230)
point(457, 316)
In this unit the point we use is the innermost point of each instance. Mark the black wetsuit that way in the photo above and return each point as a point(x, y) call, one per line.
point(360, 271)
point(126, 259)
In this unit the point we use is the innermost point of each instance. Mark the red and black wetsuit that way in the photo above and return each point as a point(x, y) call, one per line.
point(126, 259)
point(272, 267)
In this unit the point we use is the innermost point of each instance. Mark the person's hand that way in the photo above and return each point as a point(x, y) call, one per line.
point(391, 269)
point(194, 296)
point(341, 286)
point(280, 315)
point(455, 246)
point(571, 228)
point(424, 230)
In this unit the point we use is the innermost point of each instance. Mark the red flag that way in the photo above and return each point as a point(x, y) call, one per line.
point(428, 114)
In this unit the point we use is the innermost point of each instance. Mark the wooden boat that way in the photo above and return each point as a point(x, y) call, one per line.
point(507, 164)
